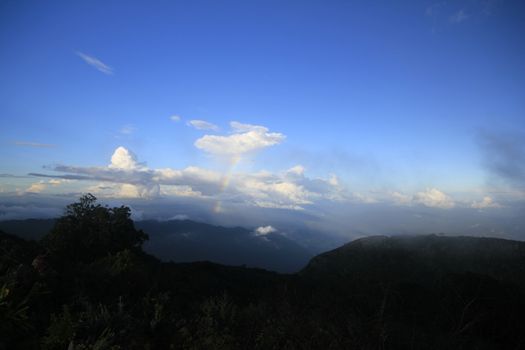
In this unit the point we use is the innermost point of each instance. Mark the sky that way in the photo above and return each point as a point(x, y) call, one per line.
point(273, 111)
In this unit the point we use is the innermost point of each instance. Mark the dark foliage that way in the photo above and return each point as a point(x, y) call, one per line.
point(89, 285)
point(89, 231)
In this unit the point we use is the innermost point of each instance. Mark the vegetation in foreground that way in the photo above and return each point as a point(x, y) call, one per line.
point(89, 285)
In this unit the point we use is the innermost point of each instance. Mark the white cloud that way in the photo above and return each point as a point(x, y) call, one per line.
point(400, 198)
point(138, 191)
point(274, 192)
point(37, 187)
point(434, 198)
point(242, 127)
point(124, 159)
point(245, 138)
point(125, 176)
point(202, 125)
point(297, 170)
point(179, 191)
point(175, 118)
point(96, 63)
point(333, 180)
point(486, 202)
point(58, 182)
point(264, 230)
point(291, 189)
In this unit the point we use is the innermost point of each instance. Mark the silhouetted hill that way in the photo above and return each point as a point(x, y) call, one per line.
point(88, 284)
point(186, 241)
point(189, 241)
point(420, 292)
point(30, 229)
point(421, 258)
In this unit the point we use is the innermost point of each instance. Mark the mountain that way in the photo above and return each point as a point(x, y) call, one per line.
point(186, 241)
point(30, 229)
point(421, 258)
point(403, 292)
point(189, 241)
point(431, 291)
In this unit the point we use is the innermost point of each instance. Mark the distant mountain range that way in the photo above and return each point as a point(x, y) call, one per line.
point(189, 241)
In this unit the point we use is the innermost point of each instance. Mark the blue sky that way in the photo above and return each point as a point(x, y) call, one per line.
point(378, 99)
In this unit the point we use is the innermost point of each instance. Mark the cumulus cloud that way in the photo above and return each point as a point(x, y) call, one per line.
point(264, 230)
point(202, 125)
point(124, 159)
point(96, 63)
point(274, 192)
point(36, 187)
point(126, 177)
point(245, 138)
point(434, 198)
point(486, 202)
point(138, 191)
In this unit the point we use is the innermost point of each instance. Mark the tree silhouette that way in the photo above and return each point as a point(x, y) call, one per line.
point(89, 230)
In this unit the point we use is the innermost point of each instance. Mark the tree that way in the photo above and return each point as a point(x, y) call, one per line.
point(89, 231)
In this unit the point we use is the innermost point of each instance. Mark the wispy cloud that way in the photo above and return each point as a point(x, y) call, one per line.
point(175, 118)
point(459, 17)
point(503, 156)
point(96, 63)
point(127, 129)
point(33, 144)
point(13, 176)
point(202, 125)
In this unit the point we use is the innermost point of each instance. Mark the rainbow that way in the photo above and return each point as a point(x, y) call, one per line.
point(225, 182)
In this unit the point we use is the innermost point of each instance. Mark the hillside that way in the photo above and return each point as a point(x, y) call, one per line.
point(189, 241)
point(421, 258)
point(88, 284)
